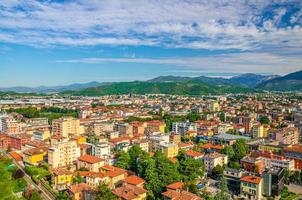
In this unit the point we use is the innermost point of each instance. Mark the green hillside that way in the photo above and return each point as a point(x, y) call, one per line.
point(178, 88)
point(290, 82)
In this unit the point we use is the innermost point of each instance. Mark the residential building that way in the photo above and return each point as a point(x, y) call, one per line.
point(182, 127)
point(134, 180)
point(10, 125)
point(101, 150)
point(63, 153)
point(169, 149)
point(35, 156)
point(130, 192)
point(258, 131)
point(61, 178)
point(66, 126)
point(287, 136)
point(92, 163)
point(81, 191)
point(41, 135)
point(211, 160)
point(273, 181)
point(251, 187)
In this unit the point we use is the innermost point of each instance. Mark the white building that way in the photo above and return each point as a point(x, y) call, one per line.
point(213, 159)
point(182, 127)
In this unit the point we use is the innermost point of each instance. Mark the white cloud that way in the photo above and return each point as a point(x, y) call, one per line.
point(215, 24)
point(231, 63)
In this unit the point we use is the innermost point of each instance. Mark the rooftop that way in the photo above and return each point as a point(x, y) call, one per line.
point(134, 180)
point(251, 179)
point(90, 159)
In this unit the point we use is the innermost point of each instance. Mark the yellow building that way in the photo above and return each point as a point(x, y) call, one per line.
point(258, 131)
point(61, 178)
point(80, 139)
point(63, 153)
point(34, 156)
point(169, 149)
point(272, 148)
point(214, 106)
point(67, 126)
point(251, 187)
point(116, 175)
point(81, 191)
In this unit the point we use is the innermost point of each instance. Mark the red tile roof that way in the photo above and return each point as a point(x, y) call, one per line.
point(182, 195)
point(175, 186)
point(112, 171)
point(90, 159)
point(16, 156)
point(193, 154)
point(129, 192)
point(251, 179)
point(134, 180)
point(76, 188)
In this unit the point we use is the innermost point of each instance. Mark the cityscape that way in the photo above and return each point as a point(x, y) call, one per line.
point(150, 100)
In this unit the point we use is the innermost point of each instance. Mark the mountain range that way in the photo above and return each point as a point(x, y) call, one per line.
point(245, 80)
point(51, 89)
point(176, 85)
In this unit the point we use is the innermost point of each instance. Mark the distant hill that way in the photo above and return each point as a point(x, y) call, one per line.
point(192, 87)
point(246, 80)
point(250, 79)
point(51, 89)
point(289, 82)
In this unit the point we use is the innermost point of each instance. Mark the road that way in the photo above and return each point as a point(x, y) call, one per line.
point(44, 192)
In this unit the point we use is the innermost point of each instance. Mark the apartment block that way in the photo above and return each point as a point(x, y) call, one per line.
point(63, 153)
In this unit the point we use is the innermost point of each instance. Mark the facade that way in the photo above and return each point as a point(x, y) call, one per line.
point(63, 153)
point(92, 163)
point(17, 140)
point(61, 178)
point(41, 135)
point(251, 187)
point(35, 156)
point(182, 127)
point(273, 181)
point(66, 126)
point(211, 160)
point(258, 131)
point(169, 149)
point(4, 142)
point(10, 125)
point(287, 136)
point(101, 150)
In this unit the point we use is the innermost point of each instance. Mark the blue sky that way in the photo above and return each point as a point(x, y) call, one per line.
point(61, 42)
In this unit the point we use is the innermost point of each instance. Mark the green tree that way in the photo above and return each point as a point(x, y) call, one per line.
point(217, 170)
point(35, 196)
point(264, 120)
point(148, 171)
point(229, 151)
point(224, 191)
point(123, 160)
point(240, 149)
point(104, 193)
point(63, 196)
point(166, 170)
point(135, 152)
point(190, 169)
point(234, 165)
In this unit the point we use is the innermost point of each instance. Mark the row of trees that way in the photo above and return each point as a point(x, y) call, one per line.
point(159, 171)
point(50, 112)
